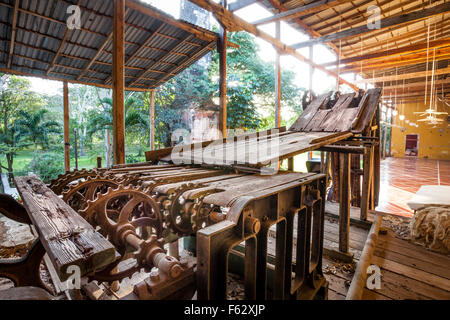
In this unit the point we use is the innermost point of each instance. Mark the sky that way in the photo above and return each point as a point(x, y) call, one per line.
point(289, 35)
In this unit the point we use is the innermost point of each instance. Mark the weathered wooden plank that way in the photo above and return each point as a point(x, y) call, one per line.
point(332, 120)
point(413, 273)
point(368, 112)
point(68, 239)
point(309, 113)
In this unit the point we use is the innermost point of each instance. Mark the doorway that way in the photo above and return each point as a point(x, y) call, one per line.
point(412, 145)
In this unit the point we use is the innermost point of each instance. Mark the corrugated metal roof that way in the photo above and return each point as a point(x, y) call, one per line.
point(157, 47)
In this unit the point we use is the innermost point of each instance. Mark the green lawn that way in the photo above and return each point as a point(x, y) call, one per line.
point(23, 159)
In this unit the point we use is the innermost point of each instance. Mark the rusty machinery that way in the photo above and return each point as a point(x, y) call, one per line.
point(231, 211)
point(231, 214)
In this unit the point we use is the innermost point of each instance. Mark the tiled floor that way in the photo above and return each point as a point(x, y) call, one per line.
point(401, 178)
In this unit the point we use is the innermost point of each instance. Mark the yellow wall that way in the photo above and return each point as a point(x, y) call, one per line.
point(434, 143)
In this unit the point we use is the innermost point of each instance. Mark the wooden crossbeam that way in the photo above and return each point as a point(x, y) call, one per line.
point(395, 52)
point(232, 21)
point(142, 46)
point(405, 76)
point(358, 17)
point(240, 4)
point(339, 16)
point(174, 48)
point(384, 23)
point(420, 84)
point(187, 60)
point(312, 7)
point(399, 39)
point(43, 76)
point(13, 32)
point(313, 33)
point(202, 34)
point(441, 54)
point(93, 60)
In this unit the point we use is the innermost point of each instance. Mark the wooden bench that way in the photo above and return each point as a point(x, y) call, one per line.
point(68, 239)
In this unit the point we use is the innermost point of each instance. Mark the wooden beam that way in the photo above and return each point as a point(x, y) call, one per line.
point(119, 82)
point(142, 46)
point(384, 23)
point(309, 8)
point(43, 76)
point(13, 32)
point(185, 62)
point(395, 52)
point(61, 46)
point(146, 10)
point(313, 33)
point(344, 202)
point(66, 128)
point(222, 48)
point(68, 239)
point(394, 37)
point(405, 76)
point(93, 60)
point(230, 20)
point(240, 4)
point(152, 120)
point(278, 80)
point(392, 63)
point(420, 84)
point(161, 59)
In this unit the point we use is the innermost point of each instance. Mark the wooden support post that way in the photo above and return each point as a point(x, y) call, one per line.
point(367, 181)
point(76, 149)
point(152, 120)
point(278, 80)
point(66, 128)
point(291, 164)
point(118, 82)
point(311, 71)
point(99, 162)
point(344, 202)
point(222, 47)
point(377, 160)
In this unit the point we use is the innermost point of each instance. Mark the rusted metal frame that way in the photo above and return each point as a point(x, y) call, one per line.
point(213, 247)
point(13, 32)
point(25, 272)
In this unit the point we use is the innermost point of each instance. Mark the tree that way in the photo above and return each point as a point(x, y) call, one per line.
point(34, 127)
point(15, 96)
point(136, 122)
point(251, 85)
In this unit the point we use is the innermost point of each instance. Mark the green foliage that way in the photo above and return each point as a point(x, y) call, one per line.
point(47, 165)
point(34, 127)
